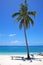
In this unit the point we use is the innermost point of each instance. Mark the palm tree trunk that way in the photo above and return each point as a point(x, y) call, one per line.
point(28, 57)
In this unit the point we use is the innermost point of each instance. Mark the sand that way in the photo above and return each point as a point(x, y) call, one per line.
point(17, 60)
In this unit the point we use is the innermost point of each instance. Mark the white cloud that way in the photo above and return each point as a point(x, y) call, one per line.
point(16, 41)
point(11, 35)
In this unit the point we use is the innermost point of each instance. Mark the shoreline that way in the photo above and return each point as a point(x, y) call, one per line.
point(18, 53)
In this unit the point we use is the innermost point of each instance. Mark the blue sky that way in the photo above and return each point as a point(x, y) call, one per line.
point(10, 34)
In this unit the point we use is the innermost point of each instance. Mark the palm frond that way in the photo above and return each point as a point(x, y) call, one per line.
point(25, 1)
point(27, 24)
point(33, 13)
point(21, 23)
point(15, 14)
point(30, 19)
point(18, 18)
point(23, 9)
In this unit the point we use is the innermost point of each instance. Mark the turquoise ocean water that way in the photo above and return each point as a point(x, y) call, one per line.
point(19, 49)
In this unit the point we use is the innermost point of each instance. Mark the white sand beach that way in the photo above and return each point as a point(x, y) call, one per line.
point(17, 60)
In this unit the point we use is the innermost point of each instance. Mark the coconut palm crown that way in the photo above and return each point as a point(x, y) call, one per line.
point(25, 20)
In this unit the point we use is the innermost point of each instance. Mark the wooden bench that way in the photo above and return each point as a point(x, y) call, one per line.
point(17, 57)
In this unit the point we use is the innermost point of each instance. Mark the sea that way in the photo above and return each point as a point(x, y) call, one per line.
point(20, 49)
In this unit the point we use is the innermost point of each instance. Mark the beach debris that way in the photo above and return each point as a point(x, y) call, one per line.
point(40, 53)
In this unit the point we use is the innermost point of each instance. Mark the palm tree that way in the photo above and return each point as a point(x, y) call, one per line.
point(25, 20)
